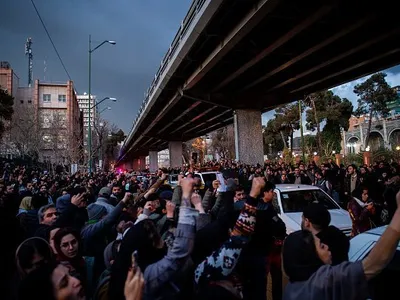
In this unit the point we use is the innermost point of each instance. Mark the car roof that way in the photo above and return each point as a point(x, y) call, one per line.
point(207, 172)
point(293, 187)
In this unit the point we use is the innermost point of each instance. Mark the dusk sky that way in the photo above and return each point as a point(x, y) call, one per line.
point(143, 30)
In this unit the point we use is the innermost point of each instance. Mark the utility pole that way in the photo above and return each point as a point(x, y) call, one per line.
point(301, 131)
point(28, 52)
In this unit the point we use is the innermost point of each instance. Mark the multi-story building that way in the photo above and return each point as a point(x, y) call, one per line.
point(84, 105)
point(59, 122)
point(385, 133)
point(9, 81)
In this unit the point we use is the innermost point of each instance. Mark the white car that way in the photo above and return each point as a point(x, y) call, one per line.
point(291, 199)
point(385, 285)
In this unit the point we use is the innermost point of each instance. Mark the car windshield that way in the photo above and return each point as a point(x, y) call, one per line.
point(296, 201)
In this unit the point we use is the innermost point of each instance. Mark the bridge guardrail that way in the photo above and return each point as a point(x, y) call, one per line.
point(185, 24)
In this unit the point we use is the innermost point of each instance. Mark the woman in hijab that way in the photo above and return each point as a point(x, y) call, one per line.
point(67, 243)
point(31, 254)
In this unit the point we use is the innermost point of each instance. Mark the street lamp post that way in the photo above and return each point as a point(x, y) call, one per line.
point(90, 79)
point(104, 109)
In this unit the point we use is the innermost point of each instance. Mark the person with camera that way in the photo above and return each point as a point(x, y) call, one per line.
point(361, 210)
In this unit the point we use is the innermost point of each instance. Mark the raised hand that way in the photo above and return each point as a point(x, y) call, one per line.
point(196, 201)
point(187, 188)
point(78, 200)
point(127, 197)
point(134, 284)
point(170, 207)
point(256, 187)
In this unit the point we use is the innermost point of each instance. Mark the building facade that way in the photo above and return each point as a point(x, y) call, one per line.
point(9, 81)
point(385, 134)
point(85, 105)
point(59, 122)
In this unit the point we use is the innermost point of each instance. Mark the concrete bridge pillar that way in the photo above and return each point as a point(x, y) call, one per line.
point(175, 154)
point(248, 136)
point(142, 163)
point(127, 166)
point(135, 164)
point(153, 161)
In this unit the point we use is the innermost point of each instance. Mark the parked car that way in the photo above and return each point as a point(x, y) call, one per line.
point(291, 199)
point(384, 286)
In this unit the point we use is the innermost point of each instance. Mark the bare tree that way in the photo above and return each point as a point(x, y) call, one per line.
point(102, 129)
point(25, 135)
point(223, 142)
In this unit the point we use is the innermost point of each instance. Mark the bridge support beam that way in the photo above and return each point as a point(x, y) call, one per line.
point(248, 136)
point(175, 154)
point(127, 166)
point(153, 161)
point(135, 164)
point(142, 163)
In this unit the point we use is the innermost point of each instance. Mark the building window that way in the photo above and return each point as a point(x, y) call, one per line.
point(22, 101)
point(30, 101)
point(62, 98)
point(46, 98)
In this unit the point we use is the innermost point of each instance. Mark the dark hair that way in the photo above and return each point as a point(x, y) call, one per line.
point(152, 197)
point(300, 257)
point(318, 215)
point(239, 188)
point(338, 243)
point(38, 282)
point(60, 234)
point(28, 248)
point(268, 186)
point(38, 201)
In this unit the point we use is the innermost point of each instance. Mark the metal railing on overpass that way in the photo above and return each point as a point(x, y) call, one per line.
point(183, 29)
point(194, 10)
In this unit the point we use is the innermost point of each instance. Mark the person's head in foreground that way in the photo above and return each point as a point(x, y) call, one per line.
point(51, 282)
point(315, 218)
point(303, 254)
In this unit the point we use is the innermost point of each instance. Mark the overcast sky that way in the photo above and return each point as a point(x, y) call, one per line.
point(143, 30)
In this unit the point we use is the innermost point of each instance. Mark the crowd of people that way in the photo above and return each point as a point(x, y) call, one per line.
point(111, 235)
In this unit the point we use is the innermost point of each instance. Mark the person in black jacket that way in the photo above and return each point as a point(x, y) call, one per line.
point(266, 244)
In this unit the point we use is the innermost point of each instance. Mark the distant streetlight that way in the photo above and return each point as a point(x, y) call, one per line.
point(398, 148)
point(90, 82)
point(333, 152)
point(105, 108)
point(315, 153)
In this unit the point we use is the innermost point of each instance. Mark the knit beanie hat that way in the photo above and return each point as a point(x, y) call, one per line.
point(96, 212)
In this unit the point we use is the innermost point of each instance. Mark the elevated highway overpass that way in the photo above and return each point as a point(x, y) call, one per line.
point(231, 60)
